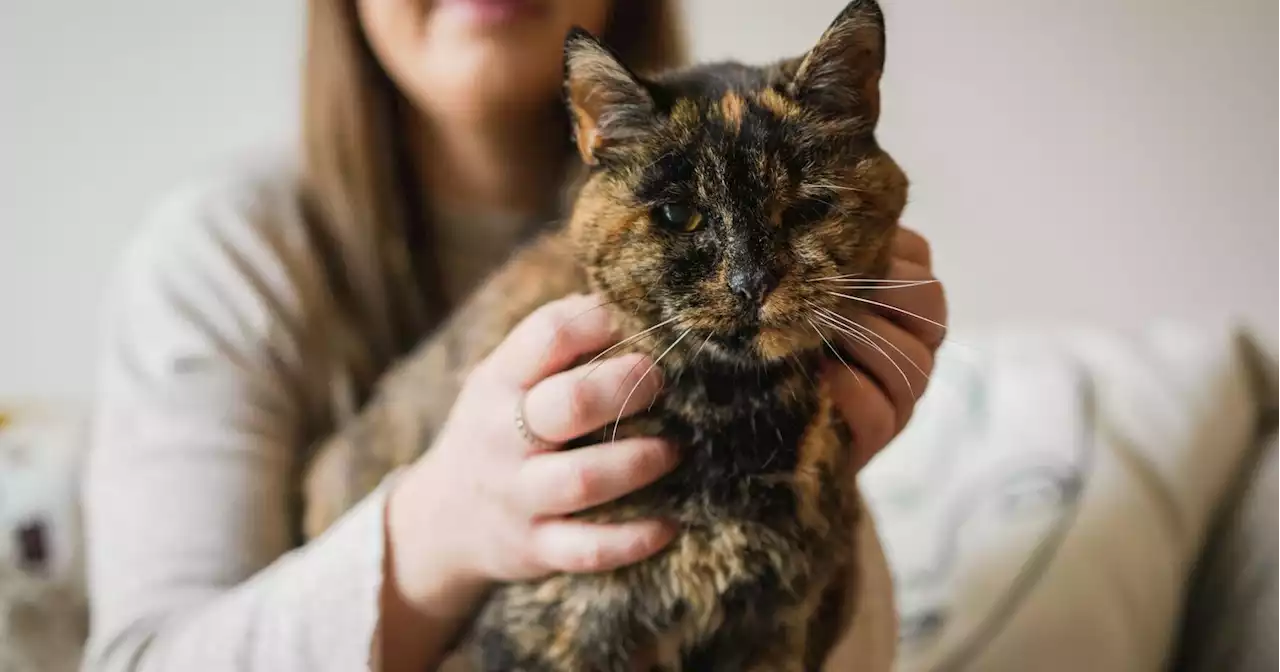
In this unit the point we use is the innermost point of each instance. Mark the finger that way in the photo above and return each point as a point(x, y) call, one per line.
point(569, 404)
point(895, 358)
point(913, 247)
point(918, 308)
point(550, 338)
point(579, 546)
point(865, 407)
point(553, 484)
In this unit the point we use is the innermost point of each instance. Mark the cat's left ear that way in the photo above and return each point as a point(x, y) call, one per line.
point(607, 103)
point(840, 76)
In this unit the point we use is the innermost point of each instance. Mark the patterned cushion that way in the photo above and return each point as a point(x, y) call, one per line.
point(1045, 506)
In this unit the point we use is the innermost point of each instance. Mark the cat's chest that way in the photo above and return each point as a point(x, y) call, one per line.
point(742, 438)
point(730, 429)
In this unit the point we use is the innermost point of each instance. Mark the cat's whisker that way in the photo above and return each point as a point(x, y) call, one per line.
point(625, 341)
point(970, 350)
point(835, 277)
point(873, 281)
point(855, 281)
point(640, 380)
point(839, 328)
point(833, 187)
point(881, 280)
point(855, 336)
point(705, 341)
point(692, 359)
point(834, 350)
point(853, 287)
point(890, 307)
point(880, 284)
point(547, 352)
point(872, 332)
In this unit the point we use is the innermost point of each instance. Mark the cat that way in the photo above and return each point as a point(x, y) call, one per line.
point(720, 201)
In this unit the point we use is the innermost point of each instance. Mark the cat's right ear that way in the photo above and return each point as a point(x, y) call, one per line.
point(607, 103)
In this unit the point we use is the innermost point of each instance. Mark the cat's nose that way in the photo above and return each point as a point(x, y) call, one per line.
point(752, 284)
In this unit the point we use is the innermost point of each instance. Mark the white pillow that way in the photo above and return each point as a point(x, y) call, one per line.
point(1042, 510)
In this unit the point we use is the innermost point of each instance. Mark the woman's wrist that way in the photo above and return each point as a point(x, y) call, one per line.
point(423, 550)
point(428, 594)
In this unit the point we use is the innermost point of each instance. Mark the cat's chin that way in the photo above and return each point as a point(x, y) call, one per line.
point(756, 346)
point(773, 344)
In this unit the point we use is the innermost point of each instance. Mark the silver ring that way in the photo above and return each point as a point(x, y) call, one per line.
point(522, 426)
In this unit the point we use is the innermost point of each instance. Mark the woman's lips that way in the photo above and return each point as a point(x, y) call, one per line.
point(492, 11)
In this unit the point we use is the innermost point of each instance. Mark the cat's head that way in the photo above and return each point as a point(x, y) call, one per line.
point(722, 198)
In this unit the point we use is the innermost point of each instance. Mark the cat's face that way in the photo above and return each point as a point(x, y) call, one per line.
point(722, 196)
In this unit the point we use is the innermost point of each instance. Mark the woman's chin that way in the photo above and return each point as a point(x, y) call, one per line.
point(491, 79)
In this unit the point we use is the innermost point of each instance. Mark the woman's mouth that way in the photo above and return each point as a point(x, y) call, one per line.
point(490, 12)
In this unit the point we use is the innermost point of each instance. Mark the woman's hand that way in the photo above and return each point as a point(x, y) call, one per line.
point(891, 364)
point(877, 398)
point(489, 501)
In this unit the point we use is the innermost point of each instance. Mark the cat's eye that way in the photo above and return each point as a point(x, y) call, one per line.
point(678, 218)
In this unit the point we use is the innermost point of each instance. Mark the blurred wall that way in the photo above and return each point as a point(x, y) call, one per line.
point(1101, 161)
point(103, 107)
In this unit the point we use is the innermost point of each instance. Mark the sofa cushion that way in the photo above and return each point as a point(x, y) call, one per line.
point(1045, 506)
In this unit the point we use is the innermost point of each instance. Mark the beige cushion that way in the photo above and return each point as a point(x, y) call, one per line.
point(1046, 505)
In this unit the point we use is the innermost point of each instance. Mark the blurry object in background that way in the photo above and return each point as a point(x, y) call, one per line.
point(1048, 504)
point(1231, 618)
point(43, 620)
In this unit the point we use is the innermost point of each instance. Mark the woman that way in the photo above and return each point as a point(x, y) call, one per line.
point(257, 312)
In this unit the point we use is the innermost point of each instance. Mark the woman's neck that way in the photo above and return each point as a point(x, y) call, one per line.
point(502, 163)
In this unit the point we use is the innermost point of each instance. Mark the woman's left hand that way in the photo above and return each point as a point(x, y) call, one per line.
point(891, 367)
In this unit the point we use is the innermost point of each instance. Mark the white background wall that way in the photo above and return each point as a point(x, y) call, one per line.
point(1103, 161)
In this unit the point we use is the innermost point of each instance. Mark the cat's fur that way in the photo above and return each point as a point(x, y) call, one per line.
point(782, 164)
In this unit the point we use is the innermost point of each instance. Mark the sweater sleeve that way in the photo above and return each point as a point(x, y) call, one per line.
point(197, 431)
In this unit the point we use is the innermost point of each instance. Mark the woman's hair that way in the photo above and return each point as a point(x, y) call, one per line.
point(358, 183)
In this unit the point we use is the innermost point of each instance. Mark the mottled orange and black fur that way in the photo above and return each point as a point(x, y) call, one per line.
point(715, 196)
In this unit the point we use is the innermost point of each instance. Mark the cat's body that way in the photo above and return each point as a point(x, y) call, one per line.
point(719, 198)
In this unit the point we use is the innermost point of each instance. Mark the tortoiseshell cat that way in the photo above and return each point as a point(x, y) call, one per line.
point(716, 196)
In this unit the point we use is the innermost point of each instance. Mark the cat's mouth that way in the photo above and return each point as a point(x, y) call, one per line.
point(749, 334)
point(758, 341)
point(740, 340)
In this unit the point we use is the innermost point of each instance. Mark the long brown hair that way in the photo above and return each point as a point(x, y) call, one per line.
point(360, 192)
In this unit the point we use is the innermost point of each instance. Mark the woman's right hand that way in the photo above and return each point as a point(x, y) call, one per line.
point(487, 504)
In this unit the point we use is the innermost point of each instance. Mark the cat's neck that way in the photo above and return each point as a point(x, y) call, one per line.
point(731, 382)
point(751, 369)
